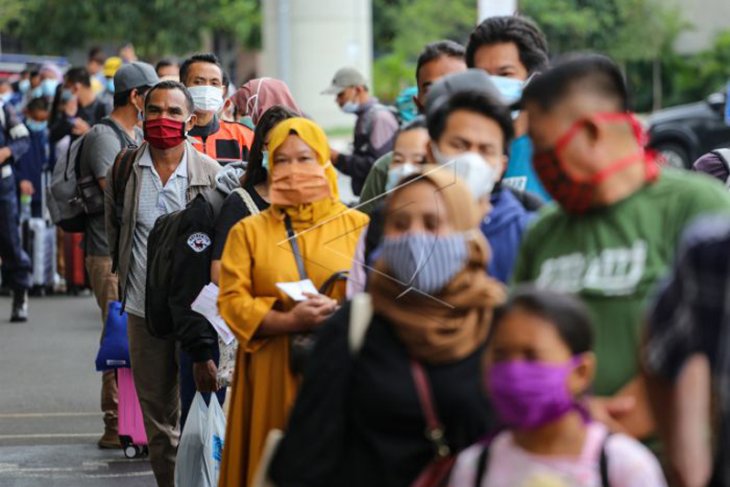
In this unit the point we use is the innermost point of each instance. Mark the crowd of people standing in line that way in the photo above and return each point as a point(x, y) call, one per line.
point(523, 296)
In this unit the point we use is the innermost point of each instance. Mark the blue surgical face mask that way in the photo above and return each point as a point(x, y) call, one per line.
point(425, 261)
point(265, 159)
point(66, 94)
point(351, 107)
point(247, 121)
point(48, 86)
point(36, 92)
point(24, 86)
point(5, 97)
point(110, 85)
point(36, 125)
point(398, 172)
point(509, 88)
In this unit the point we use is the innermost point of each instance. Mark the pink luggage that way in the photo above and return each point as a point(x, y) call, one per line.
point(131, 423)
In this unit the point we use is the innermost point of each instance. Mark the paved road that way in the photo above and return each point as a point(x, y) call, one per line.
point(49, 401)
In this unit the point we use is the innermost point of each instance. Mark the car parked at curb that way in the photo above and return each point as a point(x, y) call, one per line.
point(685, 132)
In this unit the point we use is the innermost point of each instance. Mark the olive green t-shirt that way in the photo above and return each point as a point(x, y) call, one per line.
point(613, 257)
point(374, 187)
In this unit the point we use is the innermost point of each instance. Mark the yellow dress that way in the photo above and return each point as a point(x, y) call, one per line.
point(258, 255)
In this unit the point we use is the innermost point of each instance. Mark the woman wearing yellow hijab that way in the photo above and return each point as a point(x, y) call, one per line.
point(258, 255)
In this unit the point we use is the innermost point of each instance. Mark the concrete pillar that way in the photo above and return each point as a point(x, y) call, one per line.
point(306, 41)
point(494, 8)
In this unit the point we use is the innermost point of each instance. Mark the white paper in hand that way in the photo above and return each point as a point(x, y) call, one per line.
point(207, 305)
point(296, 290)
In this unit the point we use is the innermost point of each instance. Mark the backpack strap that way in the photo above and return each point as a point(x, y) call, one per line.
point(121, 171)
point(107, 121)
point(292, 237)
point(724, 156)
point(248, 201)
point(361, 313)
point(482, 462)
point(603, 462)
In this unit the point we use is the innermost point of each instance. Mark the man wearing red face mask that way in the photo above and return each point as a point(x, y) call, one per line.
point(166, 174)
point(613, 232)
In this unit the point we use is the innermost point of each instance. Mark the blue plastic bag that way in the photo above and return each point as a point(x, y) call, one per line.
point(114, 348)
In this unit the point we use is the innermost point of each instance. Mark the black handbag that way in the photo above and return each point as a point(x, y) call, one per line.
point(302, 344)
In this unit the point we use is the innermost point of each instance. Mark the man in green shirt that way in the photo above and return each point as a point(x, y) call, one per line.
point(613, 232)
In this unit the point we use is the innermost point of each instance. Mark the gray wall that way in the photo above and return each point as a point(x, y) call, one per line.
point(707, 17)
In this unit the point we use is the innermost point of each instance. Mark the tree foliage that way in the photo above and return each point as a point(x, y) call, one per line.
point(156, 27)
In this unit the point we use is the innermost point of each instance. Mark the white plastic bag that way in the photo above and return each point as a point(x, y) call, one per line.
point(214, 440)
point(190, 468)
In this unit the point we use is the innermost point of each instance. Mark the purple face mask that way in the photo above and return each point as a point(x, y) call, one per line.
point(527, 395)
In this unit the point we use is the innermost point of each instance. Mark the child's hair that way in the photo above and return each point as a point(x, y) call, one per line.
point(567, 313)
point(39, 103)
point(417, 123)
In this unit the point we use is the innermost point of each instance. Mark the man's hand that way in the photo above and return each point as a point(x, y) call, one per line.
point(206, 376)
point(5, 154)
point(312, 312)
point(26, 187)
point(80, 127)
point(334, 155)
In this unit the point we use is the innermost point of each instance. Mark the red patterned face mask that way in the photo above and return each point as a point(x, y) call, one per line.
point(164, 133)
point(574, 194)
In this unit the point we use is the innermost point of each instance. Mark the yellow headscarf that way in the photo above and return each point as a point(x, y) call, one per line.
point(312, 135)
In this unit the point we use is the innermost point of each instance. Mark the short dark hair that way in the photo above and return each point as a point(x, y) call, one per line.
point(165, 62)
point(522, 31)
point(417, 123)
point(97, 55)
point(122, 99)
point(570, 317)
point(474, 102)
point(587, 72)
point(436, 50)
point(198, 58)
point(39, 103)
point(255, 173)
point(171, 85)
point(78, 74)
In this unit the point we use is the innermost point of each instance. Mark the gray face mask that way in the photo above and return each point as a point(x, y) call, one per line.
point(425, 261)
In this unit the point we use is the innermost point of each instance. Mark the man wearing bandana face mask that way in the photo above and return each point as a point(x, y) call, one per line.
point(226, 142)
point(613, 231)
point(166, 174)
point(511, 50)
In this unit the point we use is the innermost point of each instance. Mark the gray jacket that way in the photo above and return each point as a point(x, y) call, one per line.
point(202, 171)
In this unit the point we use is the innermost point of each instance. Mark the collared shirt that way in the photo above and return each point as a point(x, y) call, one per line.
point(155, 200)
point(692, 316)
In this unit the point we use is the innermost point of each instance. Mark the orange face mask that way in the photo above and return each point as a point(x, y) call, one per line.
point(298, 183)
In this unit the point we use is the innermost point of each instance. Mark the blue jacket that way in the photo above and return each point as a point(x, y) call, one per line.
point(31, 164)
point(13, 133)
point(520, 172)
point(504, 228)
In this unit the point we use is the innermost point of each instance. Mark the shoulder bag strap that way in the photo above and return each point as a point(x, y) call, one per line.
point(482, 462)
point(603, 463)
point(434, 428)
point(292, 237)
point(248, 201)
point(361, 313)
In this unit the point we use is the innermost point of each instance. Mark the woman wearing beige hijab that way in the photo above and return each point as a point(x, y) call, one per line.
point(358, 420)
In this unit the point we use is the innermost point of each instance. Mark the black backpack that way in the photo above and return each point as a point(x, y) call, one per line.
point(170, 246)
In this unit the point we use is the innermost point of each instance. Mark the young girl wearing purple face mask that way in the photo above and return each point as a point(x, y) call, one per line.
point(539, 364)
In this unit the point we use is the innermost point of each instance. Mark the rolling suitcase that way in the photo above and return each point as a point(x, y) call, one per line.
point(131, 422)
point(39, 241)
point(73, 252)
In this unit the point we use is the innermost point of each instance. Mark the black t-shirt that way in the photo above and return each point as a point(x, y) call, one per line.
point(233, 211)
point(357, 420)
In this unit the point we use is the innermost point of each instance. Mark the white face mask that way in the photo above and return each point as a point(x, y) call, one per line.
point(397, 173)
point(207, 98)
point(479, 175)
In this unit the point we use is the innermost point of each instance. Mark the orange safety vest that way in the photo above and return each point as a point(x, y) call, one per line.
point(230, 143)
